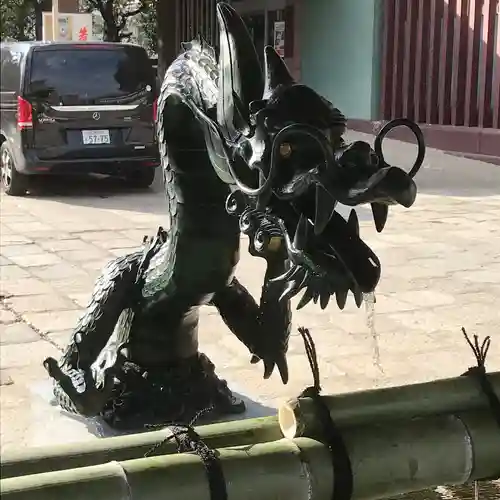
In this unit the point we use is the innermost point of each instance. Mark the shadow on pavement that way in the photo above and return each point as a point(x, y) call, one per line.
point(99, 428)
point(48, 415)
point(98, 191)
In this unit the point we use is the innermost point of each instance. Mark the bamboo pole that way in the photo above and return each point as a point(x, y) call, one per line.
point(387, 458)
point(398, 457)
point(298, 417)
point(294, 470)
point(69, 456)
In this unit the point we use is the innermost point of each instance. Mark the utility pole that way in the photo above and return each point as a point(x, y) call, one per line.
point(55, 19)
point(166, 15)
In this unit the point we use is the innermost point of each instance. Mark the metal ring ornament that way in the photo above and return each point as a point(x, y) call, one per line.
point(417, 131)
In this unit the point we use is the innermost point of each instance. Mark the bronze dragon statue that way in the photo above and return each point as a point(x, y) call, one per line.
point(243, 151)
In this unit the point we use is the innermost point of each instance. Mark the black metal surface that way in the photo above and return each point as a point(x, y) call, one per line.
point(242, 151)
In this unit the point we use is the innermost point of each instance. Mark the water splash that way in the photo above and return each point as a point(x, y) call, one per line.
point(369, 299)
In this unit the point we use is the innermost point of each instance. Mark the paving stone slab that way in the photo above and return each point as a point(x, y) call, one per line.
point(75, 244)
point(40, 303)
point(36, 260)
point(7, 316)
point(29, 227)
point(11, 238)
point(13, 272)
point(117, 243)
point(26, 355)
point(17, 333)
point(53, 321)
point(17, 250)
point(58, 271)
point(84, 255)
point(24, 286)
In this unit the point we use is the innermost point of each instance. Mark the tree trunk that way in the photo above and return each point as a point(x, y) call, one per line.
point(38, 6)
point(111, 31)
point(167, 31)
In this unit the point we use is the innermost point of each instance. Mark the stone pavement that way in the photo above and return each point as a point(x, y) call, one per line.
point(441, 271)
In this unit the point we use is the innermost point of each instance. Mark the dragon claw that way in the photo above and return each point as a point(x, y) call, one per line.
point(270, 363)
point(268, 368)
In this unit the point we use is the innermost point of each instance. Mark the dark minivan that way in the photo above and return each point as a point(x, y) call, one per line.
point(76, 107)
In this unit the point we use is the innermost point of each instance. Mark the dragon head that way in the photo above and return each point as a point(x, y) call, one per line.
point(291, 168)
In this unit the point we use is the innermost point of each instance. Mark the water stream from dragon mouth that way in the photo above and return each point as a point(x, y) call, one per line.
point(369, 301)
point(483, 491)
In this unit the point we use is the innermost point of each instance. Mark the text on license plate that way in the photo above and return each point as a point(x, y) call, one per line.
point(95, 137)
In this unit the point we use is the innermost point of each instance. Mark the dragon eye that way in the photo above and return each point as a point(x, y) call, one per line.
point(285, 150)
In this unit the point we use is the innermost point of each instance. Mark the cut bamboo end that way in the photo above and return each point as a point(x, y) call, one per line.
point(287, 421)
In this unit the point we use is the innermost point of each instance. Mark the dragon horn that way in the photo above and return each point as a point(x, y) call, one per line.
point(240, 74)
point(276, 72)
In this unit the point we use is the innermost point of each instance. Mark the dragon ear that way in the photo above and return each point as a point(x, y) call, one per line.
point(240, 73)
point(276, 72)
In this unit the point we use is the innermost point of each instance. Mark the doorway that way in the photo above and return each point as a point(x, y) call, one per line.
point(256, 25)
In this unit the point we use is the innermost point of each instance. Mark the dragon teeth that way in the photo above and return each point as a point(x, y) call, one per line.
point(380, 213)
point(353, 221)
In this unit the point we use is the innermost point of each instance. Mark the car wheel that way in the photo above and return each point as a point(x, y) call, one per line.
point(13, 182)
point(141, 178)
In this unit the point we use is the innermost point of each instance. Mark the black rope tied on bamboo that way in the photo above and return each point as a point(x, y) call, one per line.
point(342, 469)
point(189, 441)
point(479, 372)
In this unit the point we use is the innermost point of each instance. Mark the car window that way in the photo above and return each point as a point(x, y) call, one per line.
point(10, 74)
point(91, 75)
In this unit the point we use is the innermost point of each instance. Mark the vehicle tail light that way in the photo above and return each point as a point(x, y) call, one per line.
point(155, 110)
point(24, 114)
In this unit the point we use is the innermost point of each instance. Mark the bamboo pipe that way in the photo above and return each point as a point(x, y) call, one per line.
point(298, 417)
point(387, 459)
point(399, 457)
point(69, 456)
point(294, 470)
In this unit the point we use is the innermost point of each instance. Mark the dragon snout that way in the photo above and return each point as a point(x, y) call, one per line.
point(397, 187)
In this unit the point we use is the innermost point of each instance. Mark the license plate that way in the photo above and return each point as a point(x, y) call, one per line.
point(95, 137)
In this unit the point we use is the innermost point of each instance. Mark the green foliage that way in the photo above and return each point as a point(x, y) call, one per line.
point(17, 20)
point(116, 15)
point(148, 26)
